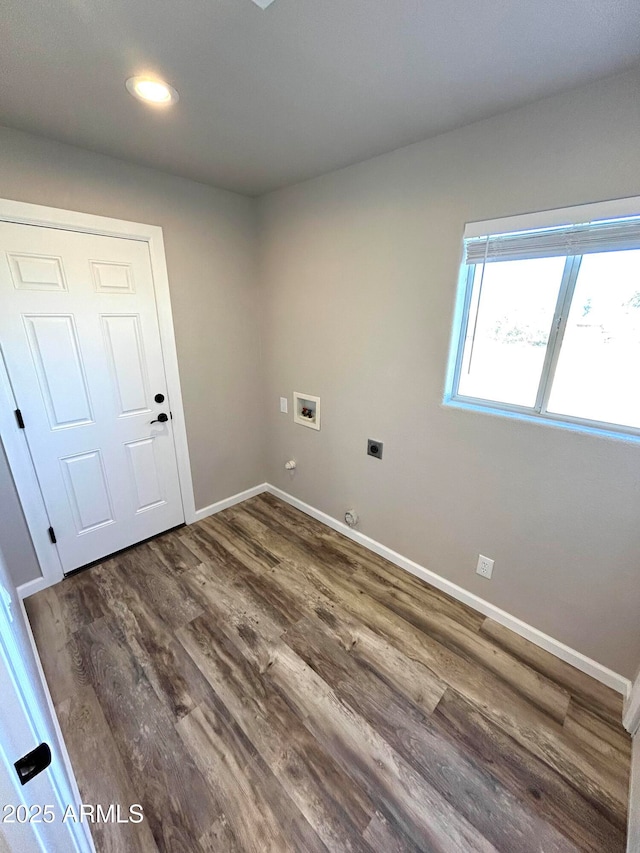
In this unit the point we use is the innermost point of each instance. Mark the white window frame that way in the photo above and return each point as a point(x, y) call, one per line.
point(618, 208)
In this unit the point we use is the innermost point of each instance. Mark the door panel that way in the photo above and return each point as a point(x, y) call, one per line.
point(145, 474)
point(111, 277)
point(87, 490)
point(31, 272)
point(125, 349)
point(54, 349)
point(79, 333)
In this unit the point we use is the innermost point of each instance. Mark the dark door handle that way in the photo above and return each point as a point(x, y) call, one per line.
point(161, 419)
point(32, 763)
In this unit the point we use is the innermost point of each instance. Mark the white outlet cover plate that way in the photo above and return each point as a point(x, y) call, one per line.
point(284, 405)
point(485, 566)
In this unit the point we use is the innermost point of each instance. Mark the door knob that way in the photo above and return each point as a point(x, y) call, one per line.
point(161, 419)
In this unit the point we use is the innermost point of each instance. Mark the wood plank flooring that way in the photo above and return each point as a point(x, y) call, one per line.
point(260, 683)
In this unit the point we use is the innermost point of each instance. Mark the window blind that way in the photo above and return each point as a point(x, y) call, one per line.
point(580, 239)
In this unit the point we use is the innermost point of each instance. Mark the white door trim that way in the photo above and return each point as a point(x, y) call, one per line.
point(631, 716)
point(27, 486)
point(13, 439)
point(65, 775)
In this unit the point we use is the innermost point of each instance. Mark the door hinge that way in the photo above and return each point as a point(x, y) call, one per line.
point(52, 535)
point(19, 418)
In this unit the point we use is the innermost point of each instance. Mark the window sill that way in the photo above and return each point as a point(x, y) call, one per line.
point(592, 428)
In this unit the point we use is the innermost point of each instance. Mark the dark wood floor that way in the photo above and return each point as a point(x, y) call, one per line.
point(260, 683)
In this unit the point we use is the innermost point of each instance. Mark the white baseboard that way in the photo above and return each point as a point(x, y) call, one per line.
point(633, 825)
point(212, 509)
point(631, 713)
point(31, 587)
point(544, 641)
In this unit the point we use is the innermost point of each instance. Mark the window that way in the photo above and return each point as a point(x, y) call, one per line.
point(548, 319)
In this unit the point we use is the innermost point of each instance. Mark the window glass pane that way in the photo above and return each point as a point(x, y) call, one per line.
point(509, 323)
point(597, 372)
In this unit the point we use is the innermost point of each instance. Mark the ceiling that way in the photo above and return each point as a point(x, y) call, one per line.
point(268, 98)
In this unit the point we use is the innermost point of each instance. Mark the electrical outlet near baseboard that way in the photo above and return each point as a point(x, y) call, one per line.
point(484, 567)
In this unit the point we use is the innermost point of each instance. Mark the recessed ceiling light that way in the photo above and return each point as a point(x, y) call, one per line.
point(152, 91)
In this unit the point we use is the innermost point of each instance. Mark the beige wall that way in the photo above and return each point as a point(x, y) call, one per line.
point(15, 543)
point(359, 273)
point(210, 247)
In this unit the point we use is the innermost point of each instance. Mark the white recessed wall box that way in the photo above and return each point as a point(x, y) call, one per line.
point(306, 410)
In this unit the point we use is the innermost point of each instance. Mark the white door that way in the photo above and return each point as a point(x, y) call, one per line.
point(31, 814)
point(80, 339)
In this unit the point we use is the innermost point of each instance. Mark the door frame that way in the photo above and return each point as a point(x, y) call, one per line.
point(13, 438)
point(42, 720)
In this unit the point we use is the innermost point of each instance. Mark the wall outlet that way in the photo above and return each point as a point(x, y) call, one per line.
point(485, 566)
point(374, 448)
point(284, 405)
